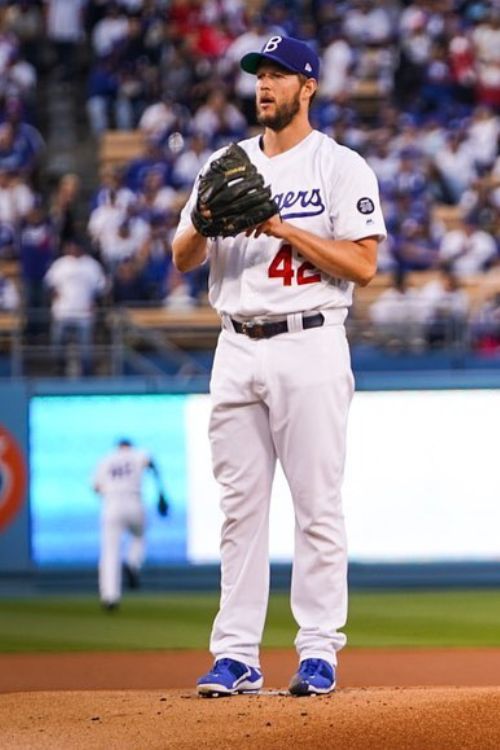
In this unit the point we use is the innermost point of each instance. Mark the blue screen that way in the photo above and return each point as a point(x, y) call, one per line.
point(69, 436)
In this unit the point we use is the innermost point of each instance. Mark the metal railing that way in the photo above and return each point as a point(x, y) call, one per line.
point(118, 347)
point(168, 343)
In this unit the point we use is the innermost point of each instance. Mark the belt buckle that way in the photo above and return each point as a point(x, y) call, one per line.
point(252, 330)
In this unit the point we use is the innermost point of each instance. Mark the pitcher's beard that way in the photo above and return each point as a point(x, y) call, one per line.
point(282, 117)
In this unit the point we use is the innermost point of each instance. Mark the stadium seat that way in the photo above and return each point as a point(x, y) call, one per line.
point(118, 147)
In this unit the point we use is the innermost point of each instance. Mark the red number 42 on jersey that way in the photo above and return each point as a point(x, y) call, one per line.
point(281, 267)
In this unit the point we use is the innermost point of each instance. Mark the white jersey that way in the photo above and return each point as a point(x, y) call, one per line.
point(119, 475)
point(319, 185)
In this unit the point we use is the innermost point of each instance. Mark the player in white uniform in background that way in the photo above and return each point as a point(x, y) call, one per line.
point(118, 480)
point(282, 382)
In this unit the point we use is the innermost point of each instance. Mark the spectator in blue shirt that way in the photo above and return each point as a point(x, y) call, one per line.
point(102, 89)
point(36, 252)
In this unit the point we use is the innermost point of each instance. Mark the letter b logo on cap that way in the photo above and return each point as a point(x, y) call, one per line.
point(272, 44)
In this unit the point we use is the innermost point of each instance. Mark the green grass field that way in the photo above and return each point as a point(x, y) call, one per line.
point(437, 618)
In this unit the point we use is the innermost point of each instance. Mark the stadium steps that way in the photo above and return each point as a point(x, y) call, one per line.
point(63, 120)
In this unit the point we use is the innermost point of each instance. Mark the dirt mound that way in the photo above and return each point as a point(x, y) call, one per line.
point(353, 718)
point(145, 701)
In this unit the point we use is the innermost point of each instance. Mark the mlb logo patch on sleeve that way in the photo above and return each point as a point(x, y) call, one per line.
point(365, 206)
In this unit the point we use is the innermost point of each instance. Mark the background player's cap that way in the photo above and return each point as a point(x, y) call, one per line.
point(290, 53)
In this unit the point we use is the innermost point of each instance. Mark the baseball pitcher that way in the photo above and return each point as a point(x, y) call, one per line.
point(289, 221)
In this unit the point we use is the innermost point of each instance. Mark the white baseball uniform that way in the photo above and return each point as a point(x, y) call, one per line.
point(286, 397)
point(118, 479)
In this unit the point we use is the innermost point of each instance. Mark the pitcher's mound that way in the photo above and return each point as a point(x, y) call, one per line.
point(351, 719)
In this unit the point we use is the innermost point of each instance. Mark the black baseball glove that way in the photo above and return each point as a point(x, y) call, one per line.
point(163, 505)
point(234, 194)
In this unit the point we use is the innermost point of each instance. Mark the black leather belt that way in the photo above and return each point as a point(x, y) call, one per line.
point(267, 330)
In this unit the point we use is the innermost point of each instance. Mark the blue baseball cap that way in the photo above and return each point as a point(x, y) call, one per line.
point(290, 53)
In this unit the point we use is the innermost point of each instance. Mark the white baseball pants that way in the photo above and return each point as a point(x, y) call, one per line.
point(284, 398)
point(116, 520)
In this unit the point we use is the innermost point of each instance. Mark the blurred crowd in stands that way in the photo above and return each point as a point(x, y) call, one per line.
point(413, 86)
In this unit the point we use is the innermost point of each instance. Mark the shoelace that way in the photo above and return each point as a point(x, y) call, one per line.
point(229, 664)
point(310, 666)
point(223, 662)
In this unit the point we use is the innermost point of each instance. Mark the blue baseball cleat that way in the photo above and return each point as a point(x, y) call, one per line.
point(228, 677)
point(314, 677)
